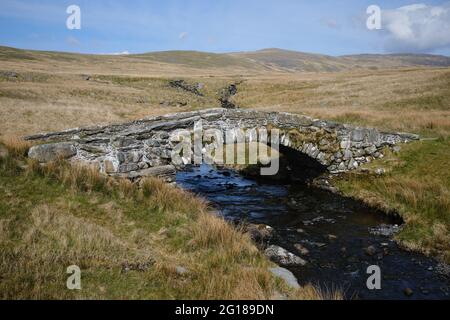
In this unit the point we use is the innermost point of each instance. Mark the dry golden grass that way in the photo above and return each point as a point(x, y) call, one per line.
point(32, 104)
point(310, 293)
point(210, 231)
point(33, 264)
point(375, 98)
point(74, 215)
point(43, 102)
point(15, 146)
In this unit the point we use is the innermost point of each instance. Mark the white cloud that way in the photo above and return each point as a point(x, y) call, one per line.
point(417, 27)
point(123, 53)
point(183, 35)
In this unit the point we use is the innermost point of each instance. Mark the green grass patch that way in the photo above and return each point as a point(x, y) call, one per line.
point(417, 186)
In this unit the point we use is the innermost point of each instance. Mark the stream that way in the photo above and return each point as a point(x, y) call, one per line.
point(339, 237)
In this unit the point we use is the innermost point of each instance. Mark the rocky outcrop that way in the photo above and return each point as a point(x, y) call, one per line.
point(226, 94)
point(136, 148)
point(183, 85)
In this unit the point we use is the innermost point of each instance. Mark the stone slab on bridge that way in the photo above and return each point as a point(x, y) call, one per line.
point(144, 147)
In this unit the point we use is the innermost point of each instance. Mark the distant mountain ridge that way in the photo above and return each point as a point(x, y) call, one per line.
point(266, 60)
point(300, 61)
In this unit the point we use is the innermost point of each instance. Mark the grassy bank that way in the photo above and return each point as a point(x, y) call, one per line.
point(417, 186)
point(127, 240)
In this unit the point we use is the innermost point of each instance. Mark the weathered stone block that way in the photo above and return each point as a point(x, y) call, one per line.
point(165, 154)
point(359, 153)
point(143, 165)
point(121, 142)
point(136, 157)
point(153, 143)
point(370, 150)
point(345, 144)
point(53, 151)
point(128, 167)
point(373, 136)
point(358, 135)
point(122, 157)
point(353, 164)
point(347, 155)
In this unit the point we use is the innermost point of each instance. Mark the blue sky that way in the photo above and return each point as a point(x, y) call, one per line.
point(322, 26)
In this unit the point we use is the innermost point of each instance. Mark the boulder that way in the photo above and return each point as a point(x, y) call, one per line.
point(300, 248)
point(128, 167)
point(286, 275)
point(181, 270)
point(408, 292)
point(52, 151)
point(370, 250)
point(259, 232)
point(283, 257)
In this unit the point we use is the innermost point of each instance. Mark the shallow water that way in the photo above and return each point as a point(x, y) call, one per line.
point(334, 229)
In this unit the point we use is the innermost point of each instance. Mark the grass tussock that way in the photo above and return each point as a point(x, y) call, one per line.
point(15, 146)
point(311, 292)
point(213, 231)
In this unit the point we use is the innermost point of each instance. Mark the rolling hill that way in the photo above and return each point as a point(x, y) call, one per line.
point(173, 62)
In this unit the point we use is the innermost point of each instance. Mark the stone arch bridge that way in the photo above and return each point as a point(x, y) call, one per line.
point(143, 147)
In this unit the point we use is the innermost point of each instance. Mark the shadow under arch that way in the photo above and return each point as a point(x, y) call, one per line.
point(294, 165)
point(297, 166)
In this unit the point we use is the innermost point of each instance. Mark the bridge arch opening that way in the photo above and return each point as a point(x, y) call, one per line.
point(293, 165)
point(298, 166)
